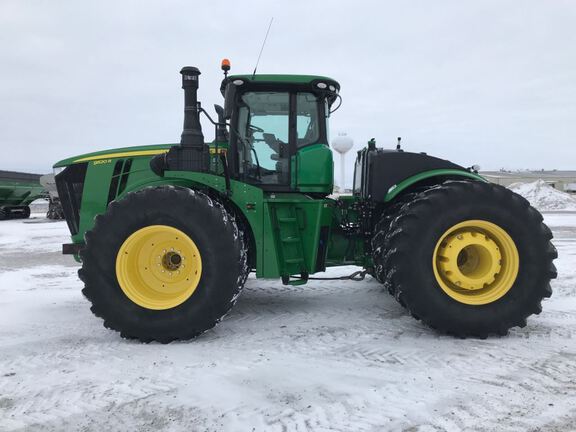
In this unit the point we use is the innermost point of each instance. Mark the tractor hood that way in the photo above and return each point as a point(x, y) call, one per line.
point(149, 150)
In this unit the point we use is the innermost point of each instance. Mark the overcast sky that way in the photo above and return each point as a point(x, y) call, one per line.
point(487, 82)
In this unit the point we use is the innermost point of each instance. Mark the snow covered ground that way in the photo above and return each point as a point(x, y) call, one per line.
point(328, 356)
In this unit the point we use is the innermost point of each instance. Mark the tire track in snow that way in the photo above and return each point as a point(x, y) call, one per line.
point(503, 400)
point(328, 356)
point(38, 399)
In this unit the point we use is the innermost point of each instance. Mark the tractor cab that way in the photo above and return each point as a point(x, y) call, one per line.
point(278, 136)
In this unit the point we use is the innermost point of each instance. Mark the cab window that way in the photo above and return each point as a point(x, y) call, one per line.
point(263, 129)
point(307, 124)
point(264, 133)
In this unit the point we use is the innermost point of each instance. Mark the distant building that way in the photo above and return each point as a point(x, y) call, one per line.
point(564, 181)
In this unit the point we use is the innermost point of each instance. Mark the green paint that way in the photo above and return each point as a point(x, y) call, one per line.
point(19, 193)
point(295, 221)
point(77, 159)
point(314, 169)
point(345, 249)
point(135, 149)
point(396, 189)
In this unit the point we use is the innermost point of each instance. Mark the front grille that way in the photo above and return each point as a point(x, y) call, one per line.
point(113, 189)
point(70, 185)
point(119, 179)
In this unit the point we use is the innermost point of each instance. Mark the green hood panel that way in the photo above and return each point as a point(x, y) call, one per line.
point(148, 150)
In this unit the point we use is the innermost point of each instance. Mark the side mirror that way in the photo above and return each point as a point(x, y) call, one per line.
point(229, 97)
point(220, 113)
point(221, 131)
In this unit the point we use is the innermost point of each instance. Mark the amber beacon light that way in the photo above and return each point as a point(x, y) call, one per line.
point(225, 65)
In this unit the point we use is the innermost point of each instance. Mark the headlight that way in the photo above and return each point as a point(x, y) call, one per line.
point(58, 170)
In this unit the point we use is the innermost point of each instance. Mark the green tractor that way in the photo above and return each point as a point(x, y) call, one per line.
point(167, 234)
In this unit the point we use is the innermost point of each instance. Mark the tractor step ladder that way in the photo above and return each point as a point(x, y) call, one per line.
point(290, 248)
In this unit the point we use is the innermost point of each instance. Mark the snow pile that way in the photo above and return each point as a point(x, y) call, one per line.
point(544, 197)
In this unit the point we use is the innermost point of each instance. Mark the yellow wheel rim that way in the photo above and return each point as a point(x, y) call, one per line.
point(476, 262)
point(158, 267)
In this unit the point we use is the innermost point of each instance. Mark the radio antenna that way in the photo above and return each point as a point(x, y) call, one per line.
point(262, 48)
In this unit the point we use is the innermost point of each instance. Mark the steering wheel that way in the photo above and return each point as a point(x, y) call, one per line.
point(256, 128)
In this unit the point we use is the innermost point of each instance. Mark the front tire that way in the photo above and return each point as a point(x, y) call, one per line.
point(470, 259)
point(163, 263)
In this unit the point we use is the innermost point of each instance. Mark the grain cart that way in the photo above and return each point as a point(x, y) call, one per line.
point(17, 191)
point(167, 234)
point(55, 211)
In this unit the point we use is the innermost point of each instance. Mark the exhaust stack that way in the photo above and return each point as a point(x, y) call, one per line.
point(192, 134)
point(192, 154)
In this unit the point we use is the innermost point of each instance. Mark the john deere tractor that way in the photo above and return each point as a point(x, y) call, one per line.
point(167, 234)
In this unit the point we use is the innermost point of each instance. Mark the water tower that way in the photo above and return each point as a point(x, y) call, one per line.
point(342, 143)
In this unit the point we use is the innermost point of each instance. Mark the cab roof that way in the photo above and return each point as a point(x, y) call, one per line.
point(280, 78)
point(275, 79)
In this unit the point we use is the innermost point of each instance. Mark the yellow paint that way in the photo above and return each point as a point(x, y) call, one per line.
point(122, 154)
point(219, 151)
point(158, 267)
point(476, 262)
point(109, 156)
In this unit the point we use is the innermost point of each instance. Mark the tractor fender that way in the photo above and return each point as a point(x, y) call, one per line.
point(211, 190)
point(164, 181)
point(381, 174)
point(439, 174)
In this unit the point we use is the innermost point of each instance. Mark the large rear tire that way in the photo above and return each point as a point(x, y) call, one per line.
point(469, 259)
point(381, 230)
point(163, 263)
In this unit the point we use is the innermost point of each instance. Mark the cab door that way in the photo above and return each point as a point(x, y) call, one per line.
point(282, 142)
point(264, 139)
